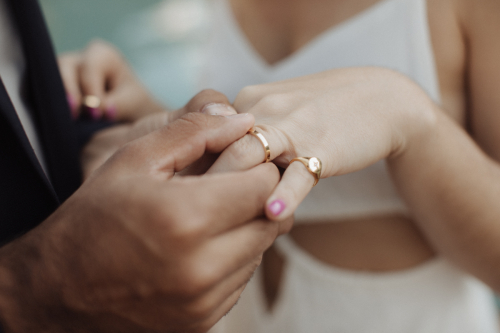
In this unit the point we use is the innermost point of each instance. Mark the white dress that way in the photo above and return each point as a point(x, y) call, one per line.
point(314, 297)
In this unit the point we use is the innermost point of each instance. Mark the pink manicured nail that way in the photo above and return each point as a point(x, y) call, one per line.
point(111, 112)
point(277, 207)
point(218, 109)
point(95, 114)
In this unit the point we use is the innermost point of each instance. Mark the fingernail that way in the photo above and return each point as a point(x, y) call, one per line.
point(218, 109)
point(111, 112)
point(277, 207)
point(95, 114)
point(238, 115)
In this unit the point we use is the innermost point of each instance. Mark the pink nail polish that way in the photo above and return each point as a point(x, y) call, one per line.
point(277, 207)
point(95, 114)
point(111, 112)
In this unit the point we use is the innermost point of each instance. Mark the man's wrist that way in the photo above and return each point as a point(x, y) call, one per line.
point(11, 288)
point(24, 298)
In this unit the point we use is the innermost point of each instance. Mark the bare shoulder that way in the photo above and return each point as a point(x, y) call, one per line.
point(449, 47)
point(467, 50)
point(475, 14)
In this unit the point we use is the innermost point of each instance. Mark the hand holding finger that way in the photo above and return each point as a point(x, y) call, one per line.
point(219, 209)
point(208, 101)
point(251, 150)
point(182, 142)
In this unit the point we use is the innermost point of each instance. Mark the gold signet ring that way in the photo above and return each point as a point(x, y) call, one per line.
point(313, 165)
point(264, 143)
point(91, 101)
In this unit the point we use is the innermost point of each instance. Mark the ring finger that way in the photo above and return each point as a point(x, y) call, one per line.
point(249, 151)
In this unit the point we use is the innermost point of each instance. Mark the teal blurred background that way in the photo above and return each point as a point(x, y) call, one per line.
point(161, 39)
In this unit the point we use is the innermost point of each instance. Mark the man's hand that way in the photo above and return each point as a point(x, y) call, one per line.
point(106, 142)
point(135, 250)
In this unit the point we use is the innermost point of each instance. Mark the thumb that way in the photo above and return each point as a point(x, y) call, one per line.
point(181, 143)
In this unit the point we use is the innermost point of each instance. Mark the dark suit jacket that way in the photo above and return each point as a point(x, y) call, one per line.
point(27, 196)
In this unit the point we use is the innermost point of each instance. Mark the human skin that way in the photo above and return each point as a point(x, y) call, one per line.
point(100, 70)
point(106, 142)
point(137, 250)
point(448, 182)
point(466, 52)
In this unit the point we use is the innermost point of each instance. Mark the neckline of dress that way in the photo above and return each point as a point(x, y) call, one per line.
point(261, 64)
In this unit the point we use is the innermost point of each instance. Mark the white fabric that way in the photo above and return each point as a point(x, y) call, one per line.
point(392, 34)
point(432, 298)
point(12, 69)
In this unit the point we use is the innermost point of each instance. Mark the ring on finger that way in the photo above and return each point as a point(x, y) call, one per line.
point(264, 143)
point(91, 101)
point(312, 164)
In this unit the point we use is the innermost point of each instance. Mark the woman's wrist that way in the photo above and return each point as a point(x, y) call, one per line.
point(31, 285)
point(417, 117)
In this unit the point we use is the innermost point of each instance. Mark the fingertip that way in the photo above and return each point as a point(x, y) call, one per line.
point(218, 109)
point(275, 208)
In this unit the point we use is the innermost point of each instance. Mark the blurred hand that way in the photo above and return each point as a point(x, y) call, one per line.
point(106, 142)
point(134, 250)
point(100, 70)
point(348, 118)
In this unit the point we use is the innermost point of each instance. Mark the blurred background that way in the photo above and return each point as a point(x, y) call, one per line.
point(160, 38)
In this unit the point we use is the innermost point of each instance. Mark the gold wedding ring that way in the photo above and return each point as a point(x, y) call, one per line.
point(91, 101)
point(312, 164)
point(264, 143)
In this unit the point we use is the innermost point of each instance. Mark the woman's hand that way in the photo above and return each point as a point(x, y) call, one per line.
point(348, 118)
point(106, 142)
point(100, 70)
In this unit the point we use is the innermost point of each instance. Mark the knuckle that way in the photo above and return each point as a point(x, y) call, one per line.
point(129, 149)
point(208, 94)
point(304, 175)
point(186, 232)
point(190, 130)
point(98, 44)
point(200, 309)
point(251, 92)
point(99, 49)
point(204, 97)
point(183, 226)
point(274, 103)
point(238, 151)
point(247, 96)
point(195, 121)
point(194, 279)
